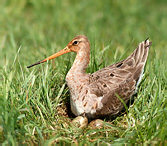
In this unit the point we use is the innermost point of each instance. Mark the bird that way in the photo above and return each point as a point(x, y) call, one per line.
point(102, 93)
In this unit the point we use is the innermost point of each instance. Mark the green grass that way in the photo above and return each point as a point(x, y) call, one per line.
point(31, 99)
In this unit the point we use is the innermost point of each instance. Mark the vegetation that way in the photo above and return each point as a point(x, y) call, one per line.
point(34, 103)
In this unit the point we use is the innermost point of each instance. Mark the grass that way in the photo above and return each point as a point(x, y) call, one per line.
point(32, 101)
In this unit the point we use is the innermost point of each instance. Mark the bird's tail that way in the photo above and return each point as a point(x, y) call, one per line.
point(140, 57)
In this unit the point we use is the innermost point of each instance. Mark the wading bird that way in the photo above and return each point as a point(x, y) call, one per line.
point(96, 95)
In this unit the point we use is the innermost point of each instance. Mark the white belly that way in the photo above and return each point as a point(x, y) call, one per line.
point(76, 107)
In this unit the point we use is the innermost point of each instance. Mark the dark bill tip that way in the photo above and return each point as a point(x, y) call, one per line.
point(34, 64)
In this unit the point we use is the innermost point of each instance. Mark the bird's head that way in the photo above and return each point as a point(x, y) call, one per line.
point(79, 43)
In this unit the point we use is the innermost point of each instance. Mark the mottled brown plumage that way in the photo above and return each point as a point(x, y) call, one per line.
point(120, 79)
point(96, 95)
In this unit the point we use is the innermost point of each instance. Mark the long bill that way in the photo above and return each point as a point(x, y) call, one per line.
point(64, 51)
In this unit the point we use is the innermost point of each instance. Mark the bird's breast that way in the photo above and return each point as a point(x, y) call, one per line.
point(81, 100)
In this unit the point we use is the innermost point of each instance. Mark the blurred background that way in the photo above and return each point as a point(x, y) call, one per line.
point(39, 28)
point(31, 30)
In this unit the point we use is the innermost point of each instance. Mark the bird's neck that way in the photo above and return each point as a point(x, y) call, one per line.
point(77, 71)
point(81, 62)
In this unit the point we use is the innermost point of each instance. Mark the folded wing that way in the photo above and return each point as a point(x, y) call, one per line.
point(120, 79)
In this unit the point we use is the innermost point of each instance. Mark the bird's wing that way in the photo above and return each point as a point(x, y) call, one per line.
point(119, 79)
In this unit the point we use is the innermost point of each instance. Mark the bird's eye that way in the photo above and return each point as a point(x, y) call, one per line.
point(75, 42)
